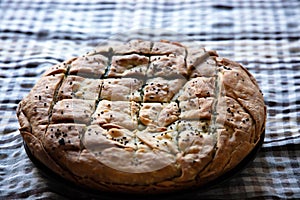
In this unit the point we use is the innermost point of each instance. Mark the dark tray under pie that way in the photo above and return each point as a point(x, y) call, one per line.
point(70, 190)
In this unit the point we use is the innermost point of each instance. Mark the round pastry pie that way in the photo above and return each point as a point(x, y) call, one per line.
point(142, 117)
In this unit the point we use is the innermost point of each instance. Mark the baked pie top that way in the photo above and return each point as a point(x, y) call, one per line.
point(143, 117)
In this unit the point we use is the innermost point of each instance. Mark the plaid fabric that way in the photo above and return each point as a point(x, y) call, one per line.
point(264, 36)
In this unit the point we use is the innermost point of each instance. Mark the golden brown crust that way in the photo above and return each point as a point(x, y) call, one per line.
point(79, 88)
point(89, 65)
point(167, 66)
point(125, 89)
point(128, 65)
point(143, 117)
point(158, 114)
point(39, 152)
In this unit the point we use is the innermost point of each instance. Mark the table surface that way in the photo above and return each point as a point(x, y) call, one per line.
point(264, 36)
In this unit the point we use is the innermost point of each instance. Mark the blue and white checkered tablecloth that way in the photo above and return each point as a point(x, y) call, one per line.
point(264, 36)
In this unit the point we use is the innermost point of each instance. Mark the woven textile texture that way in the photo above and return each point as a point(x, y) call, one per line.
point(264, 36)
